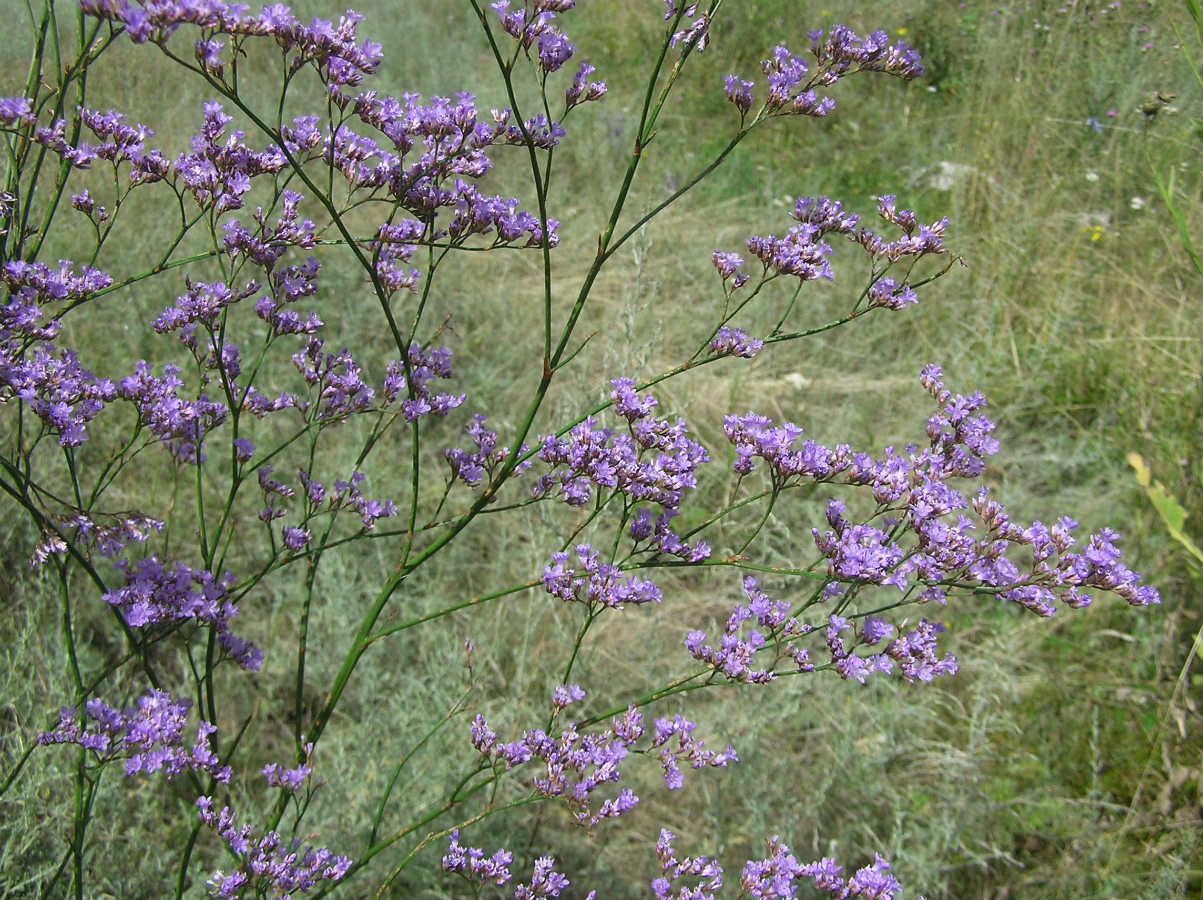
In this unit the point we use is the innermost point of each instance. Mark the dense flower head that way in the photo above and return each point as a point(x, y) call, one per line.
point(842, 51)
point(772, 878)
point(472, 863)
point(655, 461)
point(337, 388)
point(411, 380)
point(776, 636)
point(754, 436)
point(803, 253)
point(201, 303)
point(268, 864)
point(268, 242)
point(149, 736)
point(531, 26)
point(595, 583)
point(572, 765)
point(654, 533)
point(219, 169)
point(333, 49)
point(181, 425)
point(16, 111)
point(729, 341)
point(56, 387)
point(155, 593)
point(474, 466)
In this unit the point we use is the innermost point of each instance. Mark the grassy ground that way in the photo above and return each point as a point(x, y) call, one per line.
point(1064, 759)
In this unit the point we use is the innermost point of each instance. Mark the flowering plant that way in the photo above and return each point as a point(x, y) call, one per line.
point(279, 447)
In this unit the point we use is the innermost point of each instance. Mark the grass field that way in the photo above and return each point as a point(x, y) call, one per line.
point(1065, 759)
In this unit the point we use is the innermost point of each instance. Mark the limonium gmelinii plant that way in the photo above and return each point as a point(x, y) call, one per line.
point(288, 448)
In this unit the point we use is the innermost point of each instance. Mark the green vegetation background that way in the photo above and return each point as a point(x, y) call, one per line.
point(1064, 760)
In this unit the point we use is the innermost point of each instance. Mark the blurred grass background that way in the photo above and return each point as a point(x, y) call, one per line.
point(1064, 759)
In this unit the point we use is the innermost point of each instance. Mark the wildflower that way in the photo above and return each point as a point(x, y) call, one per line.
point(268, 863)
point(734, 342)
point(674, 870)
point(149, 736)
point(572, 765)
point(597, 584)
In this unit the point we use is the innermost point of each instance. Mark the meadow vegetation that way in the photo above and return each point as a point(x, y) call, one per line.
point(1064, 759)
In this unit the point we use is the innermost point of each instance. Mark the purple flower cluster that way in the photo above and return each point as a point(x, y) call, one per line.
point(346, 494)
point(917, 239)
point(219, 169)
point(269, 863)
point(914, 544)
point(582, 90)
point(268, 242)
point(32, 285)
point(109, 538)
point(675, 869)
point(201, 304)
point(287, 286)
point(149, 736)
point(338, 389)
point(915, 651)
point(654, 462)
point(734, 654)
point(480, 870)
point(119, 143)
point(156, 594)
point(734, 342)
point(453, 142)
point(412, 378)
point(754, 436)
point(291, 780)
point(334, 50)
point(57, 388)
point(843, 51)
point(472, 863)
point(473, 466)
point(181, 425)
point(575, 764)
point(774, 877)
point(802, 252)
point(791, 85)
point(531, 27)
point(685, 747)
point(595, 583)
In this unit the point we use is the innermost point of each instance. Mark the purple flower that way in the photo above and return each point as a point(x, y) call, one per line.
point(685, 747)
point(674, 870)
point(412, 379)
point(734, 342)
point(156, 594)
point(472, 863)
point(149, 736)
point(181, 425)
point(268, 863)
point(572, 765)
point(595, 583)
